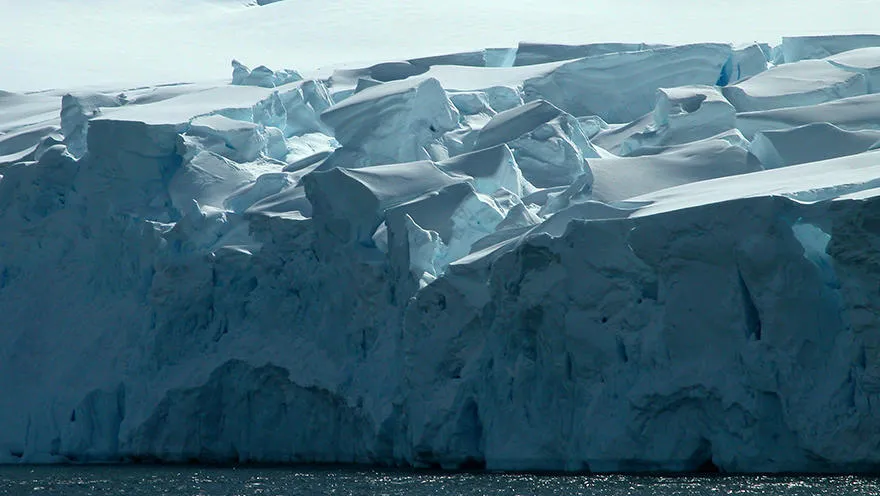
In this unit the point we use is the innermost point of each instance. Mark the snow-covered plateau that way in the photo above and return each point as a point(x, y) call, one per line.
point(601, 257)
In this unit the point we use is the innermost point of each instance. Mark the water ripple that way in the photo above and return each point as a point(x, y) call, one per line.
point(200, 481)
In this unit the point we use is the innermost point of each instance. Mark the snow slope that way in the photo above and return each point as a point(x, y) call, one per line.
point(63, 44)
point(662, 258)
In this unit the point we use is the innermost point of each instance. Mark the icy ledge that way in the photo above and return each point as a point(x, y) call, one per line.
point(614, 257)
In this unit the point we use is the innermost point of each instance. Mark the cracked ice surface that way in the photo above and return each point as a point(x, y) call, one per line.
point(611, 257)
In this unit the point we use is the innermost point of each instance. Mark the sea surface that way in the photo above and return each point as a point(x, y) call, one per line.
point(186, 481)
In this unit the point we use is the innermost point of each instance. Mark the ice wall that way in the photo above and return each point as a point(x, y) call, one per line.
point(606, 263)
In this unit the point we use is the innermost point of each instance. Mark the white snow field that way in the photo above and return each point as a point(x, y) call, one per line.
point(622, 256)
point(63, 43)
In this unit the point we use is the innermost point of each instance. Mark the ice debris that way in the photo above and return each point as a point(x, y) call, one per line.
point(262, 76)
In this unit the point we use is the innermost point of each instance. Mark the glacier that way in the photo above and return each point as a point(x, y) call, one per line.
point(596, 257)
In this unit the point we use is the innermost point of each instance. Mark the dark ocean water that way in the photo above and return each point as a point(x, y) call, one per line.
point(186, 481)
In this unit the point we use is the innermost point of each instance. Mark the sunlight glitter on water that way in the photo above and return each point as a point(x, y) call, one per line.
point(192, 481)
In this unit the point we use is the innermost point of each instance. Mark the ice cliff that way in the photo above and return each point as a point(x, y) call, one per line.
point(615, 257)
